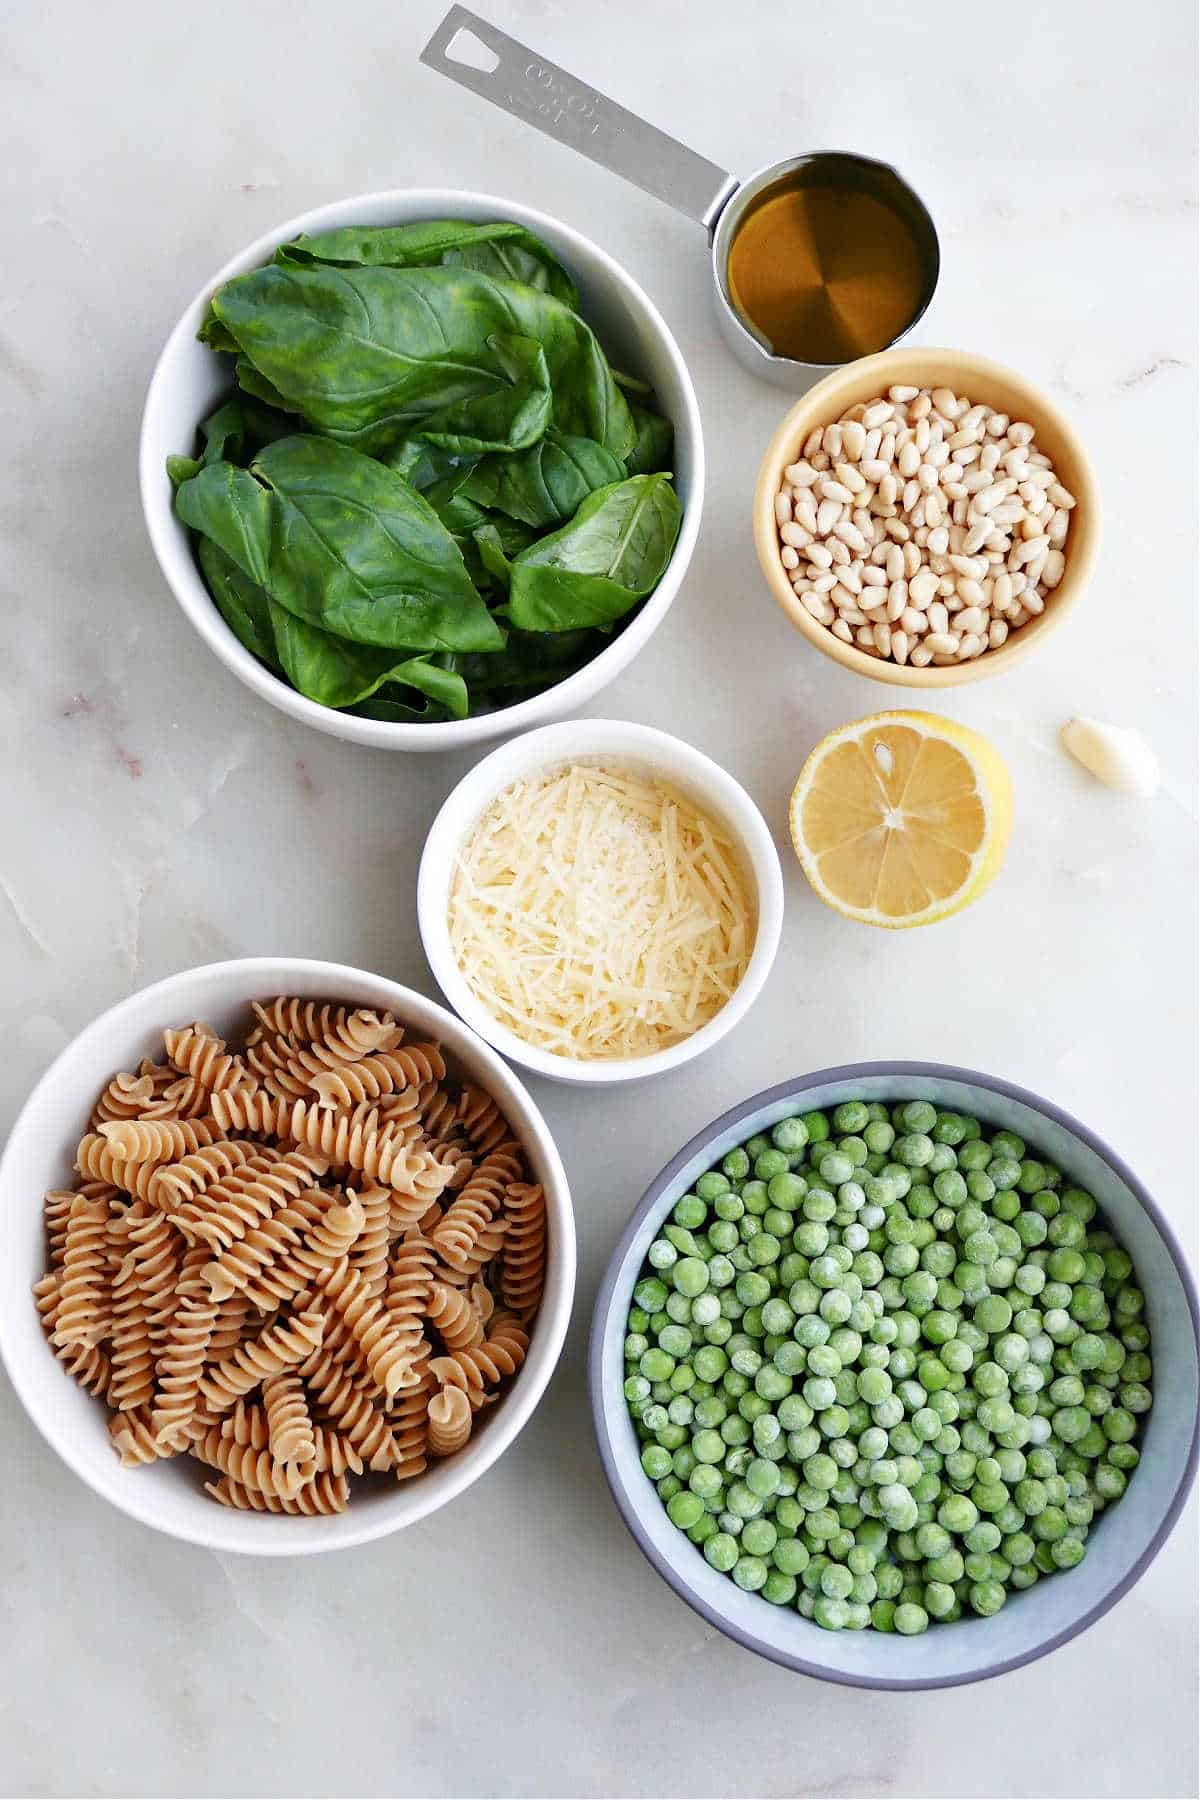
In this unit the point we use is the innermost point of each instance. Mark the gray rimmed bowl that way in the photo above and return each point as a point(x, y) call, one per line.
point(1127, 1537)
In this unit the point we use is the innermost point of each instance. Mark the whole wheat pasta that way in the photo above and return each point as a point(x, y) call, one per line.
point(83, 1312)
point(182, 1098)
point(377, 1343)
point(56, 1210)
point(326, 1493)
point(181, 1365)
point(523, 1261)
point(485, 1365)
point(481, 1118)
point(391, 1072)
point(141, 1292)
point(97, 1160)
point(125, 1097)
point(277, 1347)
point(289, 1426)
point(454, 1318)
point(156, 1140)
point(247, 1197)
point(135, 1439)
point(410, 1429)
point(332, 1232)
point(216, 1278)
point(345, 1035)
point(196, 1052)
point(410, 1285)
point(369, 1254)
point(449, 1419)
point(338, 1392)
point(249, 1467)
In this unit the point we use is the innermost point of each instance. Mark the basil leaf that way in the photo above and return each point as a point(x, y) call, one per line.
point(595, 569)
point(370, 355)
point(244, 606)
point(655, 443)
point(516, 414)
point(546, 484)
point(343, 543)
point(422, 464)
point(336, 673)
point(500, 248)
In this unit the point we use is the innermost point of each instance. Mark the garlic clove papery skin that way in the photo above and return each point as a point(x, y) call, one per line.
point(1118, 757)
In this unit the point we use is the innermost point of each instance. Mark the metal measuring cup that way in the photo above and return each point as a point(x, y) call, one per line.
point(528, 87)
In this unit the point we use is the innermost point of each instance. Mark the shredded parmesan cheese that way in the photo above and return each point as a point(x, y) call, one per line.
point(599, 914)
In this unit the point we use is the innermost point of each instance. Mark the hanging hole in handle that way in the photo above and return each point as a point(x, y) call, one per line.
point(465, 48)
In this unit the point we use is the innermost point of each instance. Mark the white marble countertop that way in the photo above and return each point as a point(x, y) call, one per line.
point(155, 815)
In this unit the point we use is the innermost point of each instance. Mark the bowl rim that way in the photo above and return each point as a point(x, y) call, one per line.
point(607, 1294)
point(888, 366)
point(566, 739)
point(553, 1319)
point(188, 589)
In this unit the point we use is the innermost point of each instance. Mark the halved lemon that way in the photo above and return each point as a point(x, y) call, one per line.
point(901, 818)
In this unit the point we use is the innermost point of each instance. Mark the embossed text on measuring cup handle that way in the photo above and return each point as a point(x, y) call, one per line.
point(528, 86)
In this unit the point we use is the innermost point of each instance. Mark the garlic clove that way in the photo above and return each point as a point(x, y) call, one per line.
point(1118, 757)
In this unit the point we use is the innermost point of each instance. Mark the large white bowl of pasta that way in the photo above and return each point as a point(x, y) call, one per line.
point(304, 1237)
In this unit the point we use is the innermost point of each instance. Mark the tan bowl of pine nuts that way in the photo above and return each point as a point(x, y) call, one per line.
point(946, 524)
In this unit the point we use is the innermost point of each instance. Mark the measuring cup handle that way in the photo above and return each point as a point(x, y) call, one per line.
point(530, 88)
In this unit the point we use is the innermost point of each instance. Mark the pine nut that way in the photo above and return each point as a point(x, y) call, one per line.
point(924, 526)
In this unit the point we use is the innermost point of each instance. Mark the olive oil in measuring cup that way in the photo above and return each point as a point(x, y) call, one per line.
point(815, 261)
point(824, 272)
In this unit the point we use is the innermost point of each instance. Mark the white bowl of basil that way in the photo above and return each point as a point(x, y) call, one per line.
point(423, 467)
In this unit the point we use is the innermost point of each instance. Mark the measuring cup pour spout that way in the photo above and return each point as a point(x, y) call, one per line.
point(477, 55)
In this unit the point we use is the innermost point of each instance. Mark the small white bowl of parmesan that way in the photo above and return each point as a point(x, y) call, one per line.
point(600, 901)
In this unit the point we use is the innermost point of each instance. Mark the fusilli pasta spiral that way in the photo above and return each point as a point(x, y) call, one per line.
point(391, 1072)
point(215, 1278)
point(324, 1494)
point(450, 1417)
point(277, 1347)
point(523, 1261)
point(156, 1140)
point(289, 1427)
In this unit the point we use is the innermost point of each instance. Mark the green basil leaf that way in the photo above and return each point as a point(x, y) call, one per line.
point(546, 484)
point(336, 673)
point(214, 334)
point(343, 543)
point(530, 660)
point(655, 443)
point(244, 606)
point(370, 355)
point(422, 464)
point(596, 568)
point(182, 468)
point(499, 248)
point(516, 414)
